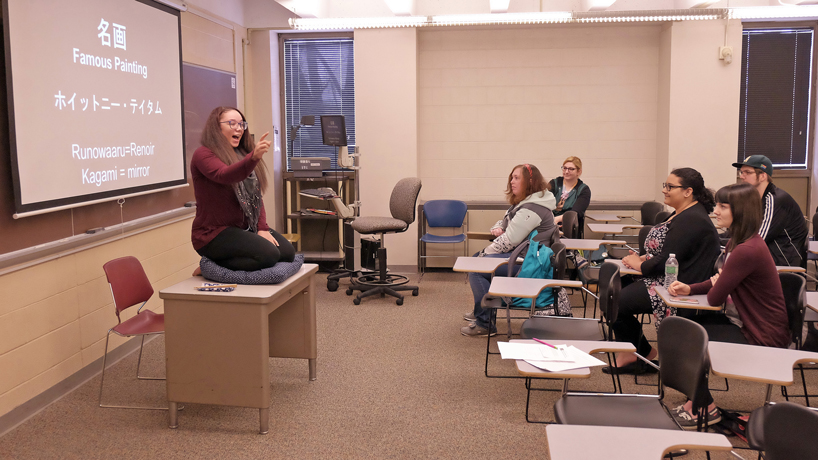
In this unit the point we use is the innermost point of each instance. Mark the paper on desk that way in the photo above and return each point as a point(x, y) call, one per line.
point(580, 360)
point(536, 352)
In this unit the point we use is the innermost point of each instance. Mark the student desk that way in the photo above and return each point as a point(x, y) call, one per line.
point(504, 286)
point(813, 247)
point(811, 313)
point(580, 442)
point(769, 365)
point(672, 302)
point(586, 245)
point(788, 269)
point(611, 229)
point(602, 216)
point(218, 344)
point(478, 264)
point(623, 270)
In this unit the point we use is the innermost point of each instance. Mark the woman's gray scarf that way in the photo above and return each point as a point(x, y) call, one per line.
point(249, 196)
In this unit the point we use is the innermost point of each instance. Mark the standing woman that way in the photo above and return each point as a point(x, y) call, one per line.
point(229, 178)
point(691, 236)
point(757, 314)
point(530, 210)
point(571, 193)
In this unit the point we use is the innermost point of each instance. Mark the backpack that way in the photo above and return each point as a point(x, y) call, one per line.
point(536, 265)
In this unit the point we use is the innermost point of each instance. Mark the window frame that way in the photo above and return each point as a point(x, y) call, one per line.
point(282, 37)
point(811, 147)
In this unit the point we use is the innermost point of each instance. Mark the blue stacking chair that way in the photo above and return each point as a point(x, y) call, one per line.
point(442, 213)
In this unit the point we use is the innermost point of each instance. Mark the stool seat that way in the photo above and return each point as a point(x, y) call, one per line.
point(369, 225)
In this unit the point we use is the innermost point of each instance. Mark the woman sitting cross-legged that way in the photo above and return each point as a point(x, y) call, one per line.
point(690, 235)
point(755, 312)
point(229, 177)
point(531, 209)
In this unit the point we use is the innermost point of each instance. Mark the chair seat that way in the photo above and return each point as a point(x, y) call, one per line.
point(429, 238)
point(368, 225)
point(625, 411)
point(561, 328)
point(755, 428)
point(146, 322)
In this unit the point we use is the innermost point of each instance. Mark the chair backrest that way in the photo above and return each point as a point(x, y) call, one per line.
point(794, 287)
point(559, 261)
point(662, 216)
point(643, 235)
point(404, 196)
point(649, 210)
point(683, 358)
point(445, 213)
point(570, 224)
point(610, 284)
point(789, 432)
point(129, 283)
point(519, 251)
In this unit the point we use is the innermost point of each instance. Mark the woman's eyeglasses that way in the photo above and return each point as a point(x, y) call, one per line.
point(669, 187)
point(236, 124)
point(566, 168)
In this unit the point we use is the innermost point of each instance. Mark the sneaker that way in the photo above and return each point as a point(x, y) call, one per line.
point(688, 422)
point(470, 317)
point(473, 330)
point(580, 262)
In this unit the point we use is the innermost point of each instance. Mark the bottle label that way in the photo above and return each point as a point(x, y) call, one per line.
point(670, 270)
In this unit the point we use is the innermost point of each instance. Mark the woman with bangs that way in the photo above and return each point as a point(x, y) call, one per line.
point(531, 209)
point(748, 282)
point(229, 178)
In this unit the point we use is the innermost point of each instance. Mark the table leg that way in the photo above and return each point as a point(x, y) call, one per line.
point(263, 420)
point(312, 363)
point(769, 394)
point(173, 415)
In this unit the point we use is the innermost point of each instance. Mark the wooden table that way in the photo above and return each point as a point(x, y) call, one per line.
point(580, 442)
point(623, 270)
point(602, 216)
point(673, 301)
point(218, 344)
point(769, 365)
point(480, 236)
point(586, 245)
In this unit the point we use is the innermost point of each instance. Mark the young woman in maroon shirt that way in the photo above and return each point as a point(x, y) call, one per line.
point(230, 226)
point(756, 314)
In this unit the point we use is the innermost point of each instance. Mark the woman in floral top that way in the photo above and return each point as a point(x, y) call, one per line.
point(691, 236)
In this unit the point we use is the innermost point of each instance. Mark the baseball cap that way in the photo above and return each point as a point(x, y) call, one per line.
point(757, 161)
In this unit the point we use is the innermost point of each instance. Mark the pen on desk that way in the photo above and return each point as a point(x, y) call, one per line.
point(544, 343)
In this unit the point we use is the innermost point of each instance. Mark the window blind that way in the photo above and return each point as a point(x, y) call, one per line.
point(319, 79)
point(776, 66)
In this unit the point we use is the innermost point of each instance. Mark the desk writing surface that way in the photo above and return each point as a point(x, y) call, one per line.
point(811, 313)
point(670, 301)
point(478, 264)
point(788, 269)
point(586, 244)
point(813, 247)
point(756, 363)
point(588, 346)
point(602, 216)
point(623, 270)
point(504, 286)
point(579, 442)
point(611, 228)
point(480, 236)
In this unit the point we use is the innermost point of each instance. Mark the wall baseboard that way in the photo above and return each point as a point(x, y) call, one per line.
point(33, 406)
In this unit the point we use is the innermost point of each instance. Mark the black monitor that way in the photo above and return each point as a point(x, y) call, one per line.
point(334, 130)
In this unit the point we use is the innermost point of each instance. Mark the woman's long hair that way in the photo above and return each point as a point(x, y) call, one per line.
point(690, 178)
point(745, 206)
point(533, 182)
point(213, 139)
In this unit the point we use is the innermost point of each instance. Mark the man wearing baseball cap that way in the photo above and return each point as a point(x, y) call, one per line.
point(782, 224)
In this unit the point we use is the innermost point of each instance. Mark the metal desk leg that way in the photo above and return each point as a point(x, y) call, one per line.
point(263, 421)
point(173, 415)
point(769, 394)
point(313, 372)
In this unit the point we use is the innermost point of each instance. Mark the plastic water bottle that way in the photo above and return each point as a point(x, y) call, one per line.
point(671, 270)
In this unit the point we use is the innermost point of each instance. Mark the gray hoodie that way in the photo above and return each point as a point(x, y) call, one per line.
point(535, 212)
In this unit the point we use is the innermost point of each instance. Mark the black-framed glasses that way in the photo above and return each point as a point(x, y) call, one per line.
point(566, 168)
point(235, 124)
point(669, 187)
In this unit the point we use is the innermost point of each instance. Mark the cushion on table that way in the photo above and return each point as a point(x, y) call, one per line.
point(276, 274)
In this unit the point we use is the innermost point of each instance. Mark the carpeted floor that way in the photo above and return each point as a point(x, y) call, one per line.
point(393, 382)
